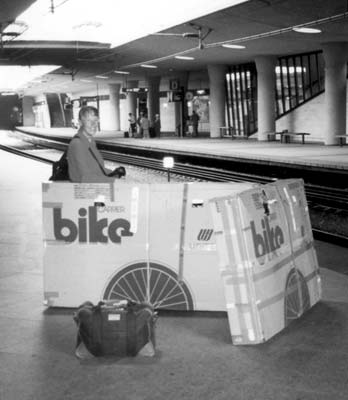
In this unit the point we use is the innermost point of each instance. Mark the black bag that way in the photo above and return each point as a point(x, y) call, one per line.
point(152, 132)
point(115, 328)
point(60, 169)
point(118, 172)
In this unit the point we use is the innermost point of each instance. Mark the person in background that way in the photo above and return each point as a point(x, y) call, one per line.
point(157, 126)
point(140, 130)
point(15, 118)
point(132, 124)
point(145, 126)
point(85, 163)
point(194, 122)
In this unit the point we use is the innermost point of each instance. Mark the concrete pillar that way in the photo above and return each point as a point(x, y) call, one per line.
point(42, 113)
point(265, 96)
point(28, 113)
point(114, 91)
point(132, 98)
point(217, 76)
point(153, 97)
point(178, 118)
point(335, 56)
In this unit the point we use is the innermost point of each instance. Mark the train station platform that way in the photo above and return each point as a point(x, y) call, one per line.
point(308, 155)
point(195, 358)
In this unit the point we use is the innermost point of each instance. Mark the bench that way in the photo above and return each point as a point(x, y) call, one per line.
point(271, 136)
point(240, 137)
point(285, 136)
point(342, 139)
point(227, 131)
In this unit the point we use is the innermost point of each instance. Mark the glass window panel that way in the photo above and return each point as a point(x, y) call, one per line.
point(299, 80)
point(285, 85)
point(291, 82)
point(321, 71)
point(306, 73)
point(314, 74)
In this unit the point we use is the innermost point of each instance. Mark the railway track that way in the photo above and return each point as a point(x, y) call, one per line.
point(318, 197)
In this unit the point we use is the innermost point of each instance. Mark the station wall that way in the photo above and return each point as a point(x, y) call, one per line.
point(309, 117)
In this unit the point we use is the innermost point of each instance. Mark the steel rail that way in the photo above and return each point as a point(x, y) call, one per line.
point(21, 153)
point(326, 196)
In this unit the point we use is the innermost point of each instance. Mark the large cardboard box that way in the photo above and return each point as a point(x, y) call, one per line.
point(150, 242)
point(267, 258)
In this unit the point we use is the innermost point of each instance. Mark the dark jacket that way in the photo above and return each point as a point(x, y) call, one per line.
point(85, 162)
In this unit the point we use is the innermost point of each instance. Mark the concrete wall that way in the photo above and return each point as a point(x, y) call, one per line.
point(41, 111)
point(309, 117)
point(105, 109)
point(167, 113)
point(28, 113)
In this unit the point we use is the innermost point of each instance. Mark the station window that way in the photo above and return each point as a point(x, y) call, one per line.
point(298, 79)
point(241, 100)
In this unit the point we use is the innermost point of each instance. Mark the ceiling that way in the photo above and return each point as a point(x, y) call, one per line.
point(262, 26)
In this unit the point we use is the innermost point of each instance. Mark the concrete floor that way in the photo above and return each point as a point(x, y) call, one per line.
point(310, 154)
point(195, 358)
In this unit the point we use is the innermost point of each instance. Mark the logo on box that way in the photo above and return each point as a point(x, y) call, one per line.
point(89, 229)
point(268, 241)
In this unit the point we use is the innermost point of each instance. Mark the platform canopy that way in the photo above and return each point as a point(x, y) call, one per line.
point(112, 39)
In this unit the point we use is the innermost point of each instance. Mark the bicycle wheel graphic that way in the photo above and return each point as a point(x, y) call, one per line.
point(157, 285)
point(297, 299)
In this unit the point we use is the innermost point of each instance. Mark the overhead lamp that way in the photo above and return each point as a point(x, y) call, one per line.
point(102, 77)
point(184, 58)
point(306, 30)
point(122, 72)
point(148, 66)
point(233, 46)
point(86, 80)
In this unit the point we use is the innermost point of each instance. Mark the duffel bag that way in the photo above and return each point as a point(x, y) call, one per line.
point(115, 328)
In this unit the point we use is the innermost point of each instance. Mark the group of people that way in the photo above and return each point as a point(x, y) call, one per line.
point(145, 130)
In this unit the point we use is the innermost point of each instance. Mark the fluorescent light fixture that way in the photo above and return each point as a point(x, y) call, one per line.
point(8, 94)
point(102, 77)
point(306, 30)
point(86, 80)
point(122, 72)
point(97, 24)
point(13, 77)
point(148, 66)
point(184, 58)
point(233, 46)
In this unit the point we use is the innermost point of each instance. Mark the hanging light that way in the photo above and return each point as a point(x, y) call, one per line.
point(306, 30)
